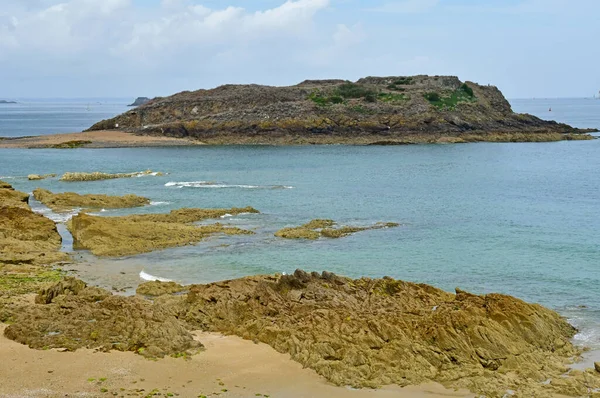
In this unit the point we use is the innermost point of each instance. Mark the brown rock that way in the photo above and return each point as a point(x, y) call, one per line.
point(128, 235)
point(79, 316)
point(69, 200)
point(37, 177)
point(597, 366)
point(368, 333)
point(96, 176)
point(316, 229)
point(157, 288)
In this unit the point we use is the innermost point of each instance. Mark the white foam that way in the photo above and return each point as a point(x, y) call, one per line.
point(150, 278)
point(214, 185)
point(158, 203)
point(227, 215)
point(56, 217)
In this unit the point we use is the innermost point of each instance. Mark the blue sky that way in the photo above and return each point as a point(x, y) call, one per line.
point(110, 48)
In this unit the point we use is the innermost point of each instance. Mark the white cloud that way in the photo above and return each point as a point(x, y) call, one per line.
point(406, 6)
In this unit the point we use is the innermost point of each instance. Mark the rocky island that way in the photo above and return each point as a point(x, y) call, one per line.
point(373, 110)
point(7, 102)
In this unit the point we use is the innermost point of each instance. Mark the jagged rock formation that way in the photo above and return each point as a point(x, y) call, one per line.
point(128, 235)
point(140, 101)
point(374, 110)
point(362, 333)
point(69, 200)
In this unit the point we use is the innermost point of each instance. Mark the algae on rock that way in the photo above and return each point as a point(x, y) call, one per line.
point(129, 235)
point(318, 228)
point(70, 200)
point(97, 176)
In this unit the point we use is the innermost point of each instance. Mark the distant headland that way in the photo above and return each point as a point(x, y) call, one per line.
point(370, 111)
point(140, 101)
point(7, 102)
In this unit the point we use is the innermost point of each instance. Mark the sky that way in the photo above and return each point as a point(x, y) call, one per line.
point(130, 48)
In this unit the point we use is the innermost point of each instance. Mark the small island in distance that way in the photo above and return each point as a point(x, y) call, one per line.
point(391, 110)
point(140, 101)
point(7, 102)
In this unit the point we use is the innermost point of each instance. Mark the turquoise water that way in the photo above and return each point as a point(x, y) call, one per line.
point(521, 219)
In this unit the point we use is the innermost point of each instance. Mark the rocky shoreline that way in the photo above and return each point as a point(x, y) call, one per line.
point(371, 111)
point(361, 333)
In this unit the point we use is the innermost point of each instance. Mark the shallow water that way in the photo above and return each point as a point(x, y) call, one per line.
point(521, 219)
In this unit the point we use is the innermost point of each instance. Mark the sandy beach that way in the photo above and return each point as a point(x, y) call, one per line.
point(98, 139)
point(230, 367)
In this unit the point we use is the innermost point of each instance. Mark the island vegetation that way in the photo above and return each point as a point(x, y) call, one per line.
point(372, 110)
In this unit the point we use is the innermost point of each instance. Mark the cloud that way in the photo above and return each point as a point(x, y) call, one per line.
point(406, 6)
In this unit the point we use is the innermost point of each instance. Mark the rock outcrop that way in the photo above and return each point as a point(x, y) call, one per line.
point(129, 235)
point(38, 177)
point(361, 333)
point(374, 332)
point(97, 176)
point(69, 200)
point(71, 315)
point(140, 101)
point(373, 110)
point(25, 237)
point(316, 229)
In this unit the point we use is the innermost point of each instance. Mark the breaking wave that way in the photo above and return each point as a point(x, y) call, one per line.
point(150, 278)
point(216, 185)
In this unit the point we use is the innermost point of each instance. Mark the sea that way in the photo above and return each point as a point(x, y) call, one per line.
point(515, 218)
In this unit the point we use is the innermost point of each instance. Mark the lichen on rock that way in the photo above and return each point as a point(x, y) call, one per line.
point(129, 235)
point(70, 200)
point(320, 228)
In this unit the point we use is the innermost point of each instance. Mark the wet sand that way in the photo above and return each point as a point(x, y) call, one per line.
point(99, 139)
point(240, 367)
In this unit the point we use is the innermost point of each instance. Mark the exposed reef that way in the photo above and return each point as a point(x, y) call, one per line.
point(129, 235)
point(69, 200)
point(38, 177)
point(371, 111)
point(96, 176)
point(319, 228)
point(361, 333)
